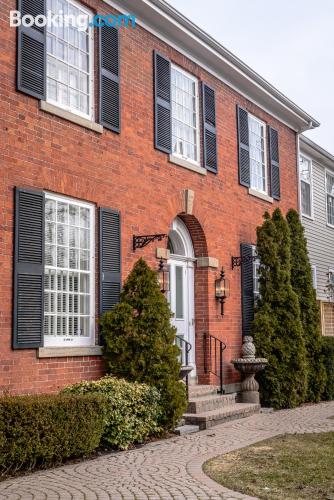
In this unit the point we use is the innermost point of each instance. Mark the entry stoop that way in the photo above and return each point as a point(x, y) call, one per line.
point(207, 408)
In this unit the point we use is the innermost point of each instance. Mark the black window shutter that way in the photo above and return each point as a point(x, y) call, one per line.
point(209, 128)
point(274, 164)
point(243, 147)
point(28, 269)
point(110, 116)
point(162, 103)
point(31, 51)
point(247, 288)
point(110, 259)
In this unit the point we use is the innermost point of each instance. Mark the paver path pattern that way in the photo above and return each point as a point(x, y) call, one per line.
point(168, 469)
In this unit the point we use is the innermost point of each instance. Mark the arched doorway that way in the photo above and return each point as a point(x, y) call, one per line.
point(181, 295)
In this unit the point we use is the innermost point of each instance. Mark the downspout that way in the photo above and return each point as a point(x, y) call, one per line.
point(298, 174)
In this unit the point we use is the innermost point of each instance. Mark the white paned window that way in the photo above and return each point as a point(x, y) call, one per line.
point(330, 198)
point(257, 154)
point(70, 61)
point(69, 272)
point(256, 276)
point(305, 175)
point(185, 116)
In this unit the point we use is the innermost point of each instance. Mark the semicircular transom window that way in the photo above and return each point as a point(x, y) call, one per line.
point(175, 244)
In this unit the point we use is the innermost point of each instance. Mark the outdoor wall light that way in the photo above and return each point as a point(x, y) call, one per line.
point(163, 277)
point(222, 286)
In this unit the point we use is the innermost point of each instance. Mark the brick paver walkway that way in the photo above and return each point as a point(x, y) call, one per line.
point(169, 469)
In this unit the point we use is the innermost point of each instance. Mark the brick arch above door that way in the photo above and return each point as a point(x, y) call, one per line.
point(197, 234)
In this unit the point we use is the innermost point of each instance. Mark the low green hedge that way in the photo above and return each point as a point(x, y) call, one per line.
point(328, 353)
point(47, 429)
point(133, 409)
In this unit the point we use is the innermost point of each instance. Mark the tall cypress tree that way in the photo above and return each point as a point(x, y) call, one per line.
point(277, 326)
point(301, 280)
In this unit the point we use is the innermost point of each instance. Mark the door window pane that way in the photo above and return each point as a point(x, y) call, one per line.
point(179, 292)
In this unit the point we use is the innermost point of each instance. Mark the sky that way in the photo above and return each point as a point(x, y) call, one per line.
point(288, 42)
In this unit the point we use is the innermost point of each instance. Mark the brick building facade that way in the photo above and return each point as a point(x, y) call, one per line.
point(63, 165)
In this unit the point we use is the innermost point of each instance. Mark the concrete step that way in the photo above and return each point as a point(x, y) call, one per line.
point(183, 430)
point(210, 402)
point(201, 390)
point(208, 419)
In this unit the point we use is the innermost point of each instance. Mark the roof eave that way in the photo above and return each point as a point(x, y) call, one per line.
point(173, 27)
point(316, 152)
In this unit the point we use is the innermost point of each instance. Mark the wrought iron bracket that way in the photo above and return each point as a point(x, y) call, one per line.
point(146, 239)
point(238, 261)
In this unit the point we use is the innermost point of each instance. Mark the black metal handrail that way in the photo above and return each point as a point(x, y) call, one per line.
point(185, 347)
point(213, 358)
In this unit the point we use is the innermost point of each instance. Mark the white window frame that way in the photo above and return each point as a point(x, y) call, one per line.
point(301, 155)
point(88, 341)
point(314, 276)
point(262, 123)
point(90, 116)
point(331, 173)
point(198, 151)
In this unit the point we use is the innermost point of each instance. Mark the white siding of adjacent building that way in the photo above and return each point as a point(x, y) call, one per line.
point(320, 236)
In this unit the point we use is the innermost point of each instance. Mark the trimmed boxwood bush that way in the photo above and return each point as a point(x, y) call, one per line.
point(328, 353)
point(133, 409)
point(47, 429)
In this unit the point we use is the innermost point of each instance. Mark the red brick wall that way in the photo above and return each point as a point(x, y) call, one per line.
point(125, 172)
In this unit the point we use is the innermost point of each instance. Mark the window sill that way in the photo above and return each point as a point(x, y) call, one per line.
point(310, 217)
point(262, 196)
point(330, 225)
point(72, 117)
point(63, 352)
point(187, 164)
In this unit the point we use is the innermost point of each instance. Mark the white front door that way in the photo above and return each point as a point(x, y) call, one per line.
point(181, 298)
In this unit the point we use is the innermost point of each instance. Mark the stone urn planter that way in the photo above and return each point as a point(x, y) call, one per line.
point(248, 365)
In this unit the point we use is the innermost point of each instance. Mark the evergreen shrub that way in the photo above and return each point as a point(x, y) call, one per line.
point(328, 354)
point(44, 430)
point(140, 342)
point(277, 326)
point(301, 280)
point(133, 409)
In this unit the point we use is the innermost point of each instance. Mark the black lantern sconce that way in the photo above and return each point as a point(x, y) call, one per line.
point(222, 286)
point(163, 277)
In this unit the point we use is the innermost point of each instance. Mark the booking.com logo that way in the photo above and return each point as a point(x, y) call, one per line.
point(64, 20)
